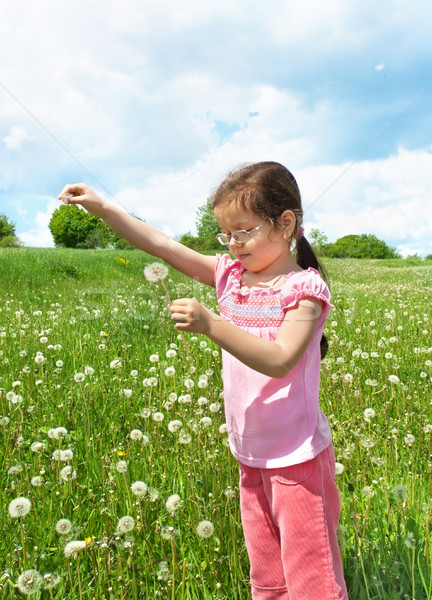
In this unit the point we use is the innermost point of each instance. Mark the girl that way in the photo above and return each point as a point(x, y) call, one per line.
point(272, 314)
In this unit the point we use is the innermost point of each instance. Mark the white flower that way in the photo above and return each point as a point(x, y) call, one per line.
point(36, 481)
point(158, 417)
point(174, 425)
point(189, 383)
point(89, 371)
point(155, 272)
point(68, 473)
point(154, 358)
point(173, 503)
point(369, 414)
point(126, 524)
point(215, 407)
point(410, 542)
point(63, 526)
point(223, 428)
point(29, 582)
point(59, 364)
point(37, 447)
point(400, 492)
point(184, 438)
point(134, 373)
point(51, 580)
point(205, 529)
point(339, 468)
point(171, 354)
point(202, 383)
point(409, 439)
point(78, 377)
point(115, 364)
point(139, 488)
point(205, 422)
point(136, 435)
point(394, 379)
point(169, 371)
point(124, 393)
point(145, 413)
point(20, 507)
point(72, 549)
point(367, 441)
point(39, 359)
point(121, 466)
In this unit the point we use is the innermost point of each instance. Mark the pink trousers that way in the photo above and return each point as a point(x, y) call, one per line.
point(290, 517)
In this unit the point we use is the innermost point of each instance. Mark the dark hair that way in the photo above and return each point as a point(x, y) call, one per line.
point(268, 189)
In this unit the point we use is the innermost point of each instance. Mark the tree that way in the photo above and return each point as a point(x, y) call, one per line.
point(8, 239)
point(318, 240)
point(74, 227)
point(207, 228)
point(7, 228)
point(359, 246)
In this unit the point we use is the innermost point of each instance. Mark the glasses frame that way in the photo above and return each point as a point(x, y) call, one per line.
point(228, 236)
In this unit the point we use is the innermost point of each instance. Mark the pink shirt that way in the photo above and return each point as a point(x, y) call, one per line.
point(272, 422)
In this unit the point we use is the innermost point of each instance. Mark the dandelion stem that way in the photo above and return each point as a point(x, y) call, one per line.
point(170, 301)
point(79, 578)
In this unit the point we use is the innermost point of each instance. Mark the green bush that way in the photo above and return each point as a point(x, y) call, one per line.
point(359, 246)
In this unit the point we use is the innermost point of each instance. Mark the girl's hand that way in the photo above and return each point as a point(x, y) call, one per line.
point(80, 193)
point(190, 315)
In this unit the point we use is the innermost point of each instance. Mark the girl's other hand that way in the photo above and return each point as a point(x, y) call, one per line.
point(80, 193)
point(190, 315)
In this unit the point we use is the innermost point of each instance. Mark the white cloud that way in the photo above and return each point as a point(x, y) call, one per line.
point(16, 138)
point(39, 235)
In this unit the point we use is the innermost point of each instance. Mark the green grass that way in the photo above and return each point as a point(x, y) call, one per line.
point(90, 308)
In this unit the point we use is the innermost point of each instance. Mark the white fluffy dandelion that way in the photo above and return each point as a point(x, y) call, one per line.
point(158, 417)
point(68, 473)
point(63, 526)
point(29, 582)
point(136, 435)
point(173, 503)
point(394, 379)
point(139, 488)
point(155, 272)
point(79, 377)
point(369, 414)
point(174, 425)
point(20, 507)
point(170, 371)
point(36, 481)
point(115, 364)
point(121, 466)
point(339, 468)
point(50, 580)
point(205, 529)
point(126, 524)
point(72, 549)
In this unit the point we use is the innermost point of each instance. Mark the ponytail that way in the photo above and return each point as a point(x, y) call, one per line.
point(305, 258)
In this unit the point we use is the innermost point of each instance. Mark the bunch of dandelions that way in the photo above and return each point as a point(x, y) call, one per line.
point(157, 272)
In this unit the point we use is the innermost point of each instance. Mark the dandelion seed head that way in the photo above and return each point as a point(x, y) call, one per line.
point(36, 481)
point(158, 417)
point(72, 549)
point(410, 542)
point(136, 435)
point(155, 272)
point(205, 529)
point(394, 379)
point(126, 524)
point(139, 488)
point(68, 473)
point(170, 371)
point(50, 580)
point(154, 358)
point(174, 425)
point(173, 503)
point(63, 526)
point(89, 371)
point(116, 363)
point(369, 414)
point(79, 377)
point(20, 507)
point(125, 393)
point(339, 468)
point(399, 491)
point(29, 582)
point(121, 466)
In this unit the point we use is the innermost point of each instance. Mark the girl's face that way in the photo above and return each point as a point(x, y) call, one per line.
point(266, 250)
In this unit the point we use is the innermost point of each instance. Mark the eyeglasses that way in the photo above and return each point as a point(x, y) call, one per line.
point(240, 237)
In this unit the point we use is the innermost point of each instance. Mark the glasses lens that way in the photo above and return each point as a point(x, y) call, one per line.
point(240, 237)
point(223, 239)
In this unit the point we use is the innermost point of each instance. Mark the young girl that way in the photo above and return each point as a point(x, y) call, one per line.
point(272, 314)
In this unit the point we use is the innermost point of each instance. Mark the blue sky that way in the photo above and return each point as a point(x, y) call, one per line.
point(152, 102)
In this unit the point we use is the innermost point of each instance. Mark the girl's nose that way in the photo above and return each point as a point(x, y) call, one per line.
point(232, 242)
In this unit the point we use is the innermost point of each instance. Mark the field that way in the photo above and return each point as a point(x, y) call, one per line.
point(115, 476)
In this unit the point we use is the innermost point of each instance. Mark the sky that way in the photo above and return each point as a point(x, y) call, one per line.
point(152, 102)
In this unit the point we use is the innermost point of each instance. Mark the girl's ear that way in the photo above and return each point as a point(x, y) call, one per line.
point(287, 221)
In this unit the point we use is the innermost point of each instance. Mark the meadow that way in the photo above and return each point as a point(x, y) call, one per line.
point(116, 481)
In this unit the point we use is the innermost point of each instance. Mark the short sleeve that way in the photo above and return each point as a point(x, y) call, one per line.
point(306, 284)
point(227, 271)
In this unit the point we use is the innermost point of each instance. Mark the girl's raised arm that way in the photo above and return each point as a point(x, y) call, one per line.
point(142, 235)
